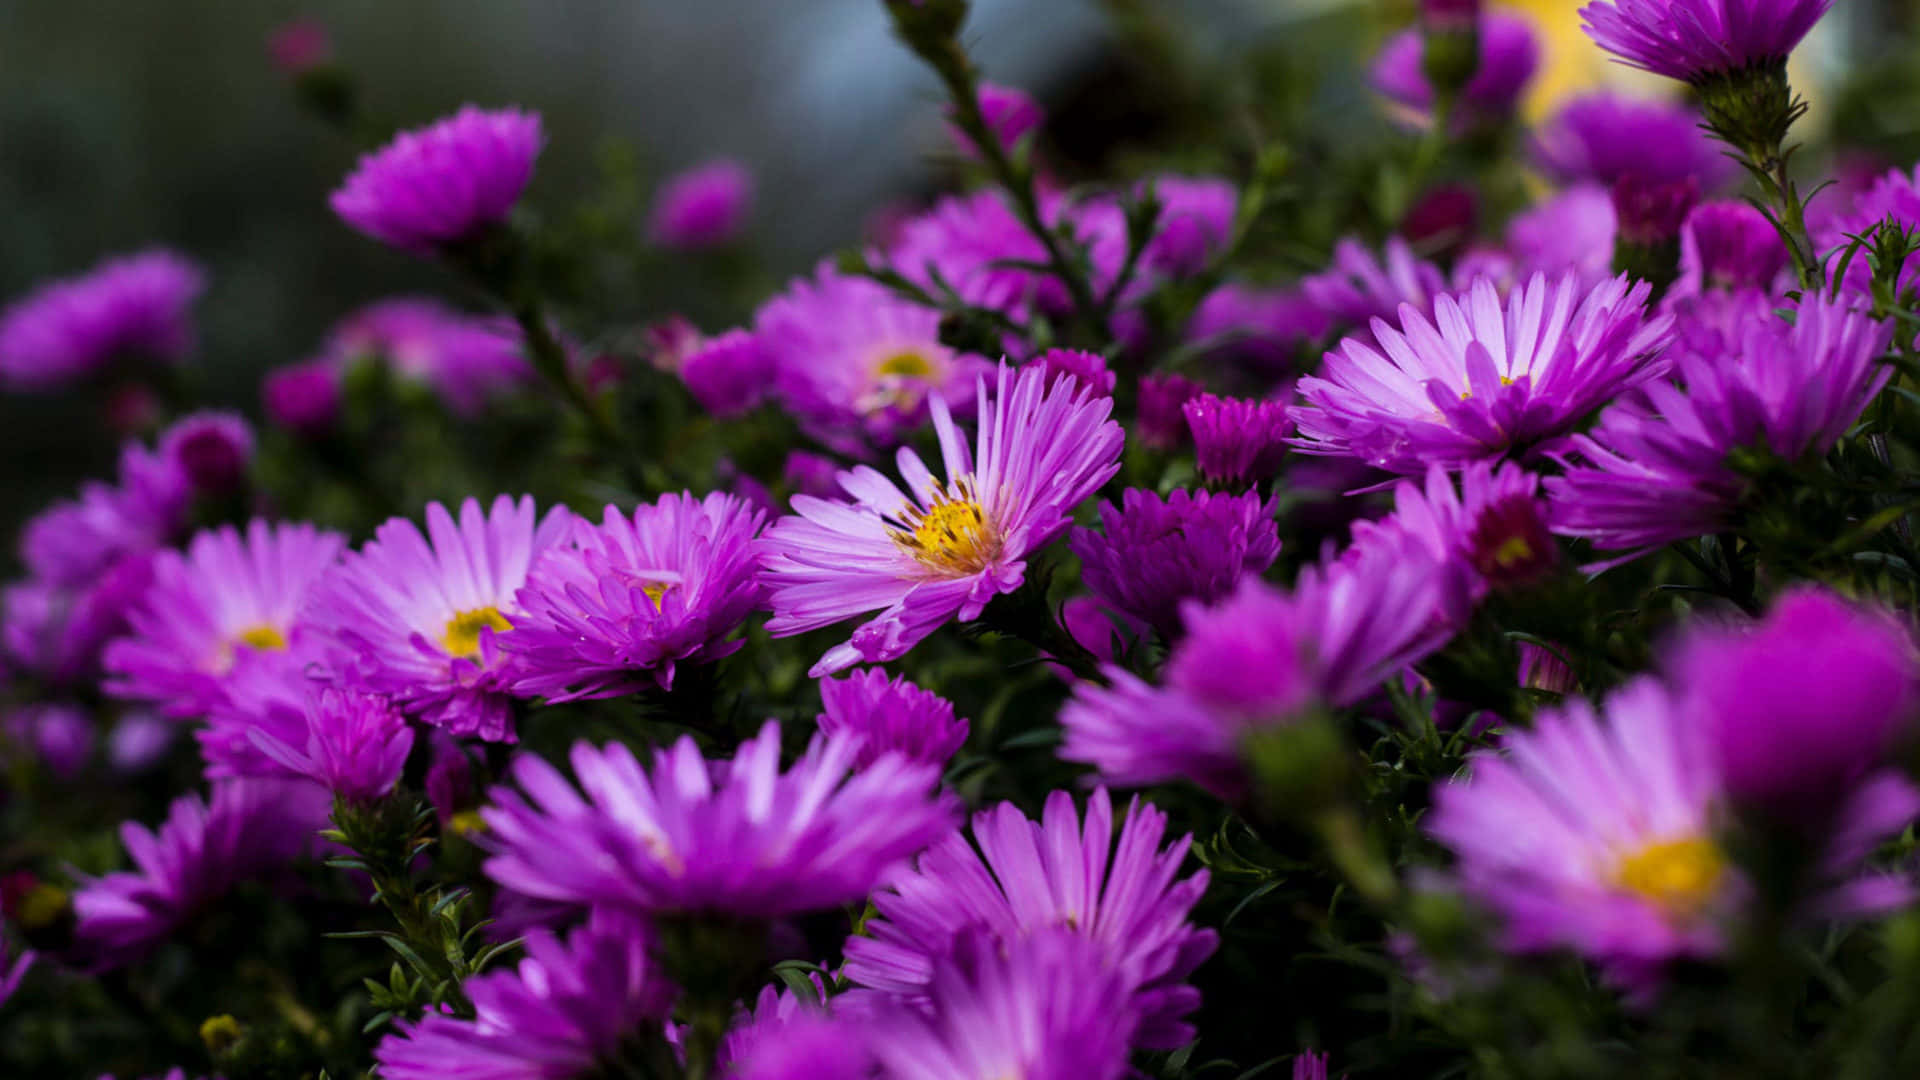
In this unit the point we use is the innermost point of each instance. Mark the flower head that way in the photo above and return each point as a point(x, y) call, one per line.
point(304, 397)
point(702, 207)
point(59, 736)
point(464, 360)
point(56, 633)
point(1509, 54)
point(1695, 39)
point(789, 1035)
point(133, 307)
point(1010, 114)
point(1152, 555)
point(954, 544)
point(1196, 216)
point(1573, 232)
point(423, 614)
point(1485, 378)
point(974, 244)
point(356, 744)
point(623, 603)
point(213, 450)
point(1089, 370)
point(1894, 196)
point(1237, 441)
point(74, 541)
point(1494, 525)
point(299, 45)
point(728, 375)
point(439, 185)
point(890, 716)
point(1360, 286)
point(1603, 137)
point(1161, 420)
point(738, 838)
point(1261, 328)
point(1729, 246)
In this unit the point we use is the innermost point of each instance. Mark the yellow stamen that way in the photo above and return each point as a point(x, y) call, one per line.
point(467, 823)
point(906, 362)
point(463, 630)
point(655, 590)
point(953, 537)
point(1679, 875)
point(1512, 551)
point(263, 637)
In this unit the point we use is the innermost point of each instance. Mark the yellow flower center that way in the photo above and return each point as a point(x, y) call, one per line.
point(1513, 551)
point(467, 823)
point(263, 637)
point(953, 537)
point(655, 590)
point(906, 362)
point(1679, 875)
point(463, 630)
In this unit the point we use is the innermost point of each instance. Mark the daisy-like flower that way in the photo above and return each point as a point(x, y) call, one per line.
point(702, 207)
point(1010, 113)
point(464, 360)
point(1027, 876)
point(1484, 379)
point(1262, 329)
point(1494, 523)
point(567, 1009)
point(1655, 470)
point(1509, 55)
point(1237, 441)
point(213, 450)
point(1153, 554)
point(303, 398)
point(730, 374)
point(74, 541)
point(264, 698)
point(423, 614)
point(1088, 369)
point(355, 744)
point(1693, 40)
point(623, 603)
point(890, 716)
point(1894, 196)
point(1573, 232)
point(444, 183)
point(248, 828)
point(1604, 137)
point(690, 837)
point(951, 546)
point(57, 633)
point(227, 596)
point(975, 245)
point(1360, 286)
point(1729, 246)
point(130, 308)
point(1160, 419)
point(856, 363)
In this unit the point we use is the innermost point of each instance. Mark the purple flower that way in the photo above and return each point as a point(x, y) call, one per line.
point(1895, 195)
point(133, 307)
point(1729, 246)
point(728, 375)
point(1010, 114)
point(1693, 40)
point(248, 828)
point(1509, 54)
point(73, 542)
point(442, 184)
point(1237, 441)
point(1655, 469)
point(227, 596)
point(1491, 532)
point(138, 742)
point(465, 360)
point(1484, 379)
point(1196, 217)
point(303, 398)
point(811, 474)
point(1359, 287)
point(213, 450)
point(975, 245)
point(1573, 232)
point(1602, 137)
point(1153, 555)
point(1308, 1065)
point(1261, 328)
point(567, 1009)
point(794, 1036)
point(738, 838)
point(702, 207)
point(1046, 1007)
point(856, 363)
point(1028, 876)
point(954, 544)
point(13, 969)
point(266, 694)
point(1089, 370)
point(423, 614)
point(299, 45)
point(1162, 411)
point(56, 633)
point(355, 744)
point(1649, 213)
point(890, 716)
point(59, 736)
point(625, 602)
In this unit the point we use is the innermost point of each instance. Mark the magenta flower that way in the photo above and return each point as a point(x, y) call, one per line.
point(13, 969)
point(355, 744)
point(738, 838)
point(1360, 287)
point(466, 361)
point(300, 45)
point(422, 615)
point(1153, 555)
point(303, 398)
point(567, 1009)
point(1029, 876)
point(890, 716)
point(855, 363)
point(625, 602)
point(728, 375)
point(56, 633)
point(1729, 246)
point(702, 207)
point(1237, 442)
point(975, 245)
point(1261, 328)
point(1509, 54)
point(1895, 195)
point(1087, 369)
point(954, 544)
point(266, 695)
point(228, 596)
point(131, 308)
point(1692, 40)
point(1196, 218)
point(1655, 470)
point(213, 450)
point(58, 736)
point(794, 1036)
point(1010, 114)
point(1493, 525)
point(248, 828)
point(1485, 379)
point(1603, 137)
point(1573, 232)
point(442, 184)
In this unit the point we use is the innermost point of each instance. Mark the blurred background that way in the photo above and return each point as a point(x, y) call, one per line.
point(124, 125)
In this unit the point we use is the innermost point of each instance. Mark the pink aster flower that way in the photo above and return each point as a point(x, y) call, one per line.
point(213, 450)
point(790, 1035)
point(1573, 232)
point(954, 544)
point(1729, 246)
point(702, 207)
point(1485, 378)
point(739, 838)
point(975, 245)
point(444, 183)
point(1152, 555)
point(129, 308)
point(1603, 137)
point(355, 744)
point(1085, 368)
point(1237, 441)
point(227, 596)
point(74, 541)
point(1028, 876)
point(565, 1010)
point(728, 375)
point(465, 360)
point(1161, 415)
point(56, 633)
point(1654, 470)
point(1509, 54)
point(303, 398)
point(1359, 286)
point(623, 603)
point(423, 614)
point(890, 716)
point(1263, 329)
point(1493, 525)
point(265, 696)
point(1010, 114)
point(855, 363)
point(1693, 40)
point(1896, 196)
point(1196, 217)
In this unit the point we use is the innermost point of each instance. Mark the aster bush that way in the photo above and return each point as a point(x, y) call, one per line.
point(1391, 589)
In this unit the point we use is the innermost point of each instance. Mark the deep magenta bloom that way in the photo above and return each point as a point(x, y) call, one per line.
point(1603, 137)
point(267, 692)
point(1895, 195)
point(1509, 54)
point(1196, 217)
point(890, 716)
point(58, 736)
point(811, 474)
point(129, 308)
point(465, 360)
point(1153, 554)
point(728, 375)
point(1237, 441)
point(1491, 530)
point(1010, 114)
point(422, 615)
point(1573, 232)
point(56, 633)
point(855, 363)
point(1161, 420)
point(444, 183)
point(563, 1012)
point(1655, 469)
point(248, 828)
point(1087, 369)
point(303, 398)
point(738, 838)
point(955, 543)
point(976, 246)
point(1359, 287)
point(297, 46)
point(1028, 876)
point(795, 1036)
point(74, 541)
point(623, 603)
point(1729, 246)
point(702, 207)
point(213, 450)
point(229, 595)
point(1045, 1007)
point(1485, 378)
point(1696, 39)
point(355, 744)
point(1262, 328)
